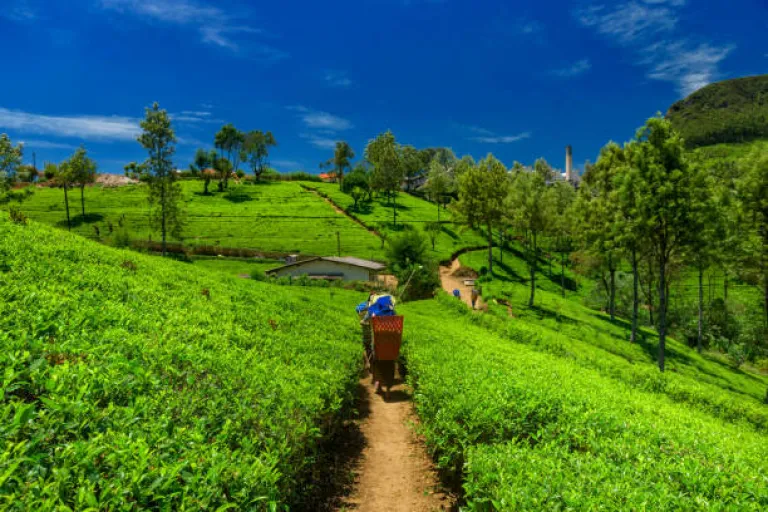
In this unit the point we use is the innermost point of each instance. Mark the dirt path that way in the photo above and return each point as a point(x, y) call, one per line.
point(451, 282)
point(395, 473)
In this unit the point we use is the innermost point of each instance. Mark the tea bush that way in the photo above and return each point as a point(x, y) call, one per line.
point(155, 385)
point(533, 430)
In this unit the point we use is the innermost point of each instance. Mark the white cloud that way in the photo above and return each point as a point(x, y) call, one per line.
point(196, 113)
point(216, 26)
point(319, 141)
point(502, 139)
point(319, 120)
point(81, 127)
point(45, 144)
point(690, 67)
point(479, 130)
point(337, 79)
point(648, 28)
point(577, 68)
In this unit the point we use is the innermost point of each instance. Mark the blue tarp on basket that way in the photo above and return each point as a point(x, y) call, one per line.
point(382, 306)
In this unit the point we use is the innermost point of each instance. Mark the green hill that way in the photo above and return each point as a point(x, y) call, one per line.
point(135, 382)
point(731, 111)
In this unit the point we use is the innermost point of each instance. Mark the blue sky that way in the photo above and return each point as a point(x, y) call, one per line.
point(518, 79)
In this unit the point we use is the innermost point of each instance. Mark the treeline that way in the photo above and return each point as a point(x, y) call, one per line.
point(648, 209)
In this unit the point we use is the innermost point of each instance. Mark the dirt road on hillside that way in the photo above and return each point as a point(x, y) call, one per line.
point(452, 282)
point(394, 474)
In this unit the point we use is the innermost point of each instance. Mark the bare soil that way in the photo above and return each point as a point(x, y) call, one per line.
point(452, 278)
point(394, 472)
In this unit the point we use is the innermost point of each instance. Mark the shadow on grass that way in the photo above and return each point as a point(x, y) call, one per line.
point(79, 220)
point(238, 198)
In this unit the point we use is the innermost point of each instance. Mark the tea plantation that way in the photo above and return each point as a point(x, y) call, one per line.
point(130, 382)
point(533, 419)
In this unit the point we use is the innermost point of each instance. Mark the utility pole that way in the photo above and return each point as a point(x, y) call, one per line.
point(338, 244)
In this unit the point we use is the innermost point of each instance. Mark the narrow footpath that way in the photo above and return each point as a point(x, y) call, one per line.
point(394, 473)
point(451, 281)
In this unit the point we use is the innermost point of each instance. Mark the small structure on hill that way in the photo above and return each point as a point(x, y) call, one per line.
point(331, 268)
point(328, 177)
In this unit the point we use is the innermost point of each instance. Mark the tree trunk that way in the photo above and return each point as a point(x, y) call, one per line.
point(490, 250)
point(394, 211)
point(82, 199)
point(635, 297)
point(206, 182)
point(612, 303)
point(701, 308)
point(662, 305)
point(66, 206)
point(533, 272)
point(162, 209)
point(562, 273)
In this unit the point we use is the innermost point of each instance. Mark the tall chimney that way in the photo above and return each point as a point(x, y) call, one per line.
point(568, 162)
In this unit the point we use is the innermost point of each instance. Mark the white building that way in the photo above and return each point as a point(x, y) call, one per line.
point(331, 268)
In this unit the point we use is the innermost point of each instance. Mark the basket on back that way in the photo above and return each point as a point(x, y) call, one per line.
point(387, 337)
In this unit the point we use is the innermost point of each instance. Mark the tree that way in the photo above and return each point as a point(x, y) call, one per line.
point(256, 151)
point(64, 177)
point(159, 139)
point(229, 140)
point(202, 166)
point(438, 183)
point(665, 208)
point(483, 190)
point(83, 172)
point(413, 164)
point(359, 178)
point(10, 161)
point(342, 159)
point(383, 153)
point(559, 201)
point(596, 211)
point(528, 212)
point(433, 232)
point(136, 171)
point(628, 229)
point(753, 195)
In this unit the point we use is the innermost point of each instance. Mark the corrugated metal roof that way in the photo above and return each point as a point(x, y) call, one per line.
point(347, 260)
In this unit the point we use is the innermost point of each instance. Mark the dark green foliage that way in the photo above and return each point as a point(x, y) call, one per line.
point(729, 111)
point(407, 249)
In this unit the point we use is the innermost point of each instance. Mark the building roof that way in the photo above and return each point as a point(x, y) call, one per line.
point(345, 260)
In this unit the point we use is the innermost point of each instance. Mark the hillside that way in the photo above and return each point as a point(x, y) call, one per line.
point(279, 217)
point(133, 380)
point(532, 417)
point(731, 111)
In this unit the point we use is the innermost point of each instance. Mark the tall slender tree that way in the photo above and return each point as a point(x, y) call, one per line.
point(10, 161)
point(753, 192)
point(229, 141)
point(438, 183)
point(159, 139)
point(83, 171)
point(528, 212)
point(483, 190)
point(665, 208)
point(341, 161)
point(64, 177)
point(383, 153)
point(560, 198)
point(256, 151)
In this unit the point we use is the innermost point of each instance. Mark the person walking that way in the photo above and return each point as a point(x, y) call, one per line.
point(475, 296)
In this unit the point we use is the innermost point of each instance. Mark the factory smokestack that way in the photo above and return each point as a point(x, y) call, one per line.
point(568, 163)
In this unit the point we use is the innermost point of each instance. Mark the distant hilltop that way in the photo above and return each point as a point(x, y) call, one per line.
point(724, 112)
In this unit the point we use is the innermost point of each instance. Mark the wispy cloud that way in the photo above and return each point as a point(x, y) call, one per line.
point(18, 10)
point(319, 120)
point(502, 139)
point(81, 127)
point(337, 79)
point(577, 68)
point(216, 26)
point(46, 144)
point(649, 29)
point(530, 27)
point(319, 141)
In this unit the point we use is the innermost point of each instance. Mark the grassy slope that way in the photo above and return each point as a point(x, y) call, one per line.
point(533, 426)
point(220, 219)
point(237, 267)
point(131, 388)
point(411, 211)
point(724, 112)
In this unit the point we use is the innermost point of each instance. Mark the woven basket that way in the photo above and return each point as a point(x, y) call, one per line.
point(387, 337)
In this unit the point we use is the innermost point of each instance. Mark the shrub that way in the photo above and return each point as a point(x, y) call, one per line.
point(121, 238)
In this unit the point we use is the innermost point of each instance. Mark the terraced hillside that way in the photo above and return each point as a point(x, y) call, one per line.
point(277, 217)
point(130, 382)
